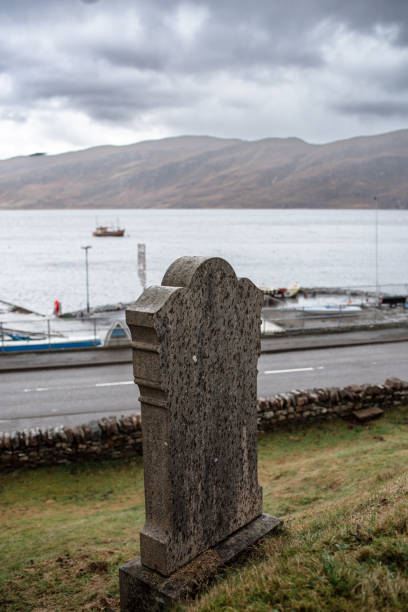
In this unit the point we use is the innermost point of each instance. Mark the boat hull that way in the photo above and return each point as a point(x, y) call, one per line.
point(108, 234)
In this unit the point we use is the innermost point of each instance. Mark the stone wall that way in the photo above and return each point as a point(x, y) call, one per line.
point(305, 406)
point(111, 438)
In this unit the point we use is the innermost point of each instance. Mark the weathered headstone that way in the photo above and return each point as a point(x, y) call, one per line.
point(196, 342)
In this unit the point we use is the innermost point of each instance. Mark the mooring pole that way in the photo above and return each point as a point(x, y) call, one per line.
point(87, 277)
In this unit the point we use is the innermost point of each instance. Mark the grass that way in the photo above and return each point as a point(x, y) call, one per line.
point(343, 493)
point(67, 530)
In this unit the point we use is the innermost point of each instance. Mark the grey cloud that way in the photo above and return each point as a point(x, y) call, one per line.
point(142, 59)
point(273, 14)
point(396, 80)
point(124, 104)
point(226, 42)
point(72, 70)
point(222, 47)
point(363, 15)
point(379, 108)
point(10, 115)
point(114, 75)
point(115, 99)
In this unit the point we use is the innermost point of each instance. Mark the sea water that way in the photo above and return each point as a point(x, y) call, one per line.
point(41, 258)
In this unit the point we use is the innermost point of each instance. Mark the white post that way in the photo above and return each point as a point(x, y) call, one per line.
point(141, 264)
point(87, 278)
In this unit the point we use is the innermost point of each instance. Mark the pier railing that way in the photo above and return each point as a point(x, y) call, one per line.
point(287, 321)
point(51, 334)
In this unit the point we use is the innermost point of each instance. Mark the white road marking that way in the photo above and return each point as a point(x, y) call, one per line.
point(130, 382)
point(109, 384)
point(293, 370)
point(113, 384)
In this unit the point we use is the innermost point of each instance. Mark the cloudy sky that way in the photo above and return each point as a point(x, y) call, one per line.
point(78, 73)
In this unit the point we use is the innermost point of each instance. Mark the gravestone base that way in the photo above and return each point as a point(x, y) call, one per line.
point(145, 590)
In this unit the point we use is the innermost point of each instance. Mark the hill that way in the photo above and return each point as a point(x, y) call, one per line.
point(207, 172)
point(342, 492)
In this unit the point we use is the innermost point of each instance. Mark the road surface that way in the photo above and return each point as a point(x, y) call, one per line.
point(45, 398)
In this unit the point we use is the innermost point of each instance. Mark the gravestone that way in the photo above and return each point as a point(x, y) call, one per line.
point(196, 343)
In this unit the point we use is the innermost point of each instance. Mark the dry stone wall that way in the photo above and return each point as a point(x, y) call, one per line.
point(304, 406)
point(111, 438)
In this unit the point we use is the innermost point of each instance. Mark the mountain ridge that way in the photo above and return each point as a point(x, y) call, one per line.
point(210, 172)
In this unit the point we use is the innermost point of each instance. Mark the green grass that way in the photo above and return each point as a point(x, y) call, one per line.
point(67, 529)
point(343, 494)
point(346, 558)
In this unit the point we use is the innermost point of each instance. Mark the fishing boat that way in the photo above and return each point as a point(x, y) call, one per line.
point(108, 231)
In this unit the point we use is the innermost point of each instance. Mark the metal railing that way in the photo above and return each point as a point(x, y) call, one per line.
point(287, 321)
point(51, 333)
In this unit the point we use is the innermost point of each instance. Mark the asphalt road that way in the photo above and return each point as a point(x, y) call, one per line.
point(46, 398)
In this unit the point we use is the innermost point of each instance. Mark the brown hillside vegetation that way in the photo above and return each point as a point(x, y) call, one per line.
point(206, 172)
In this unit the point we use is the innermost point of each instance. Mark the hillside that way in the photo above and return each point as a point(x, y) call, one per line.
point(342, 492)
point(206, 172)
